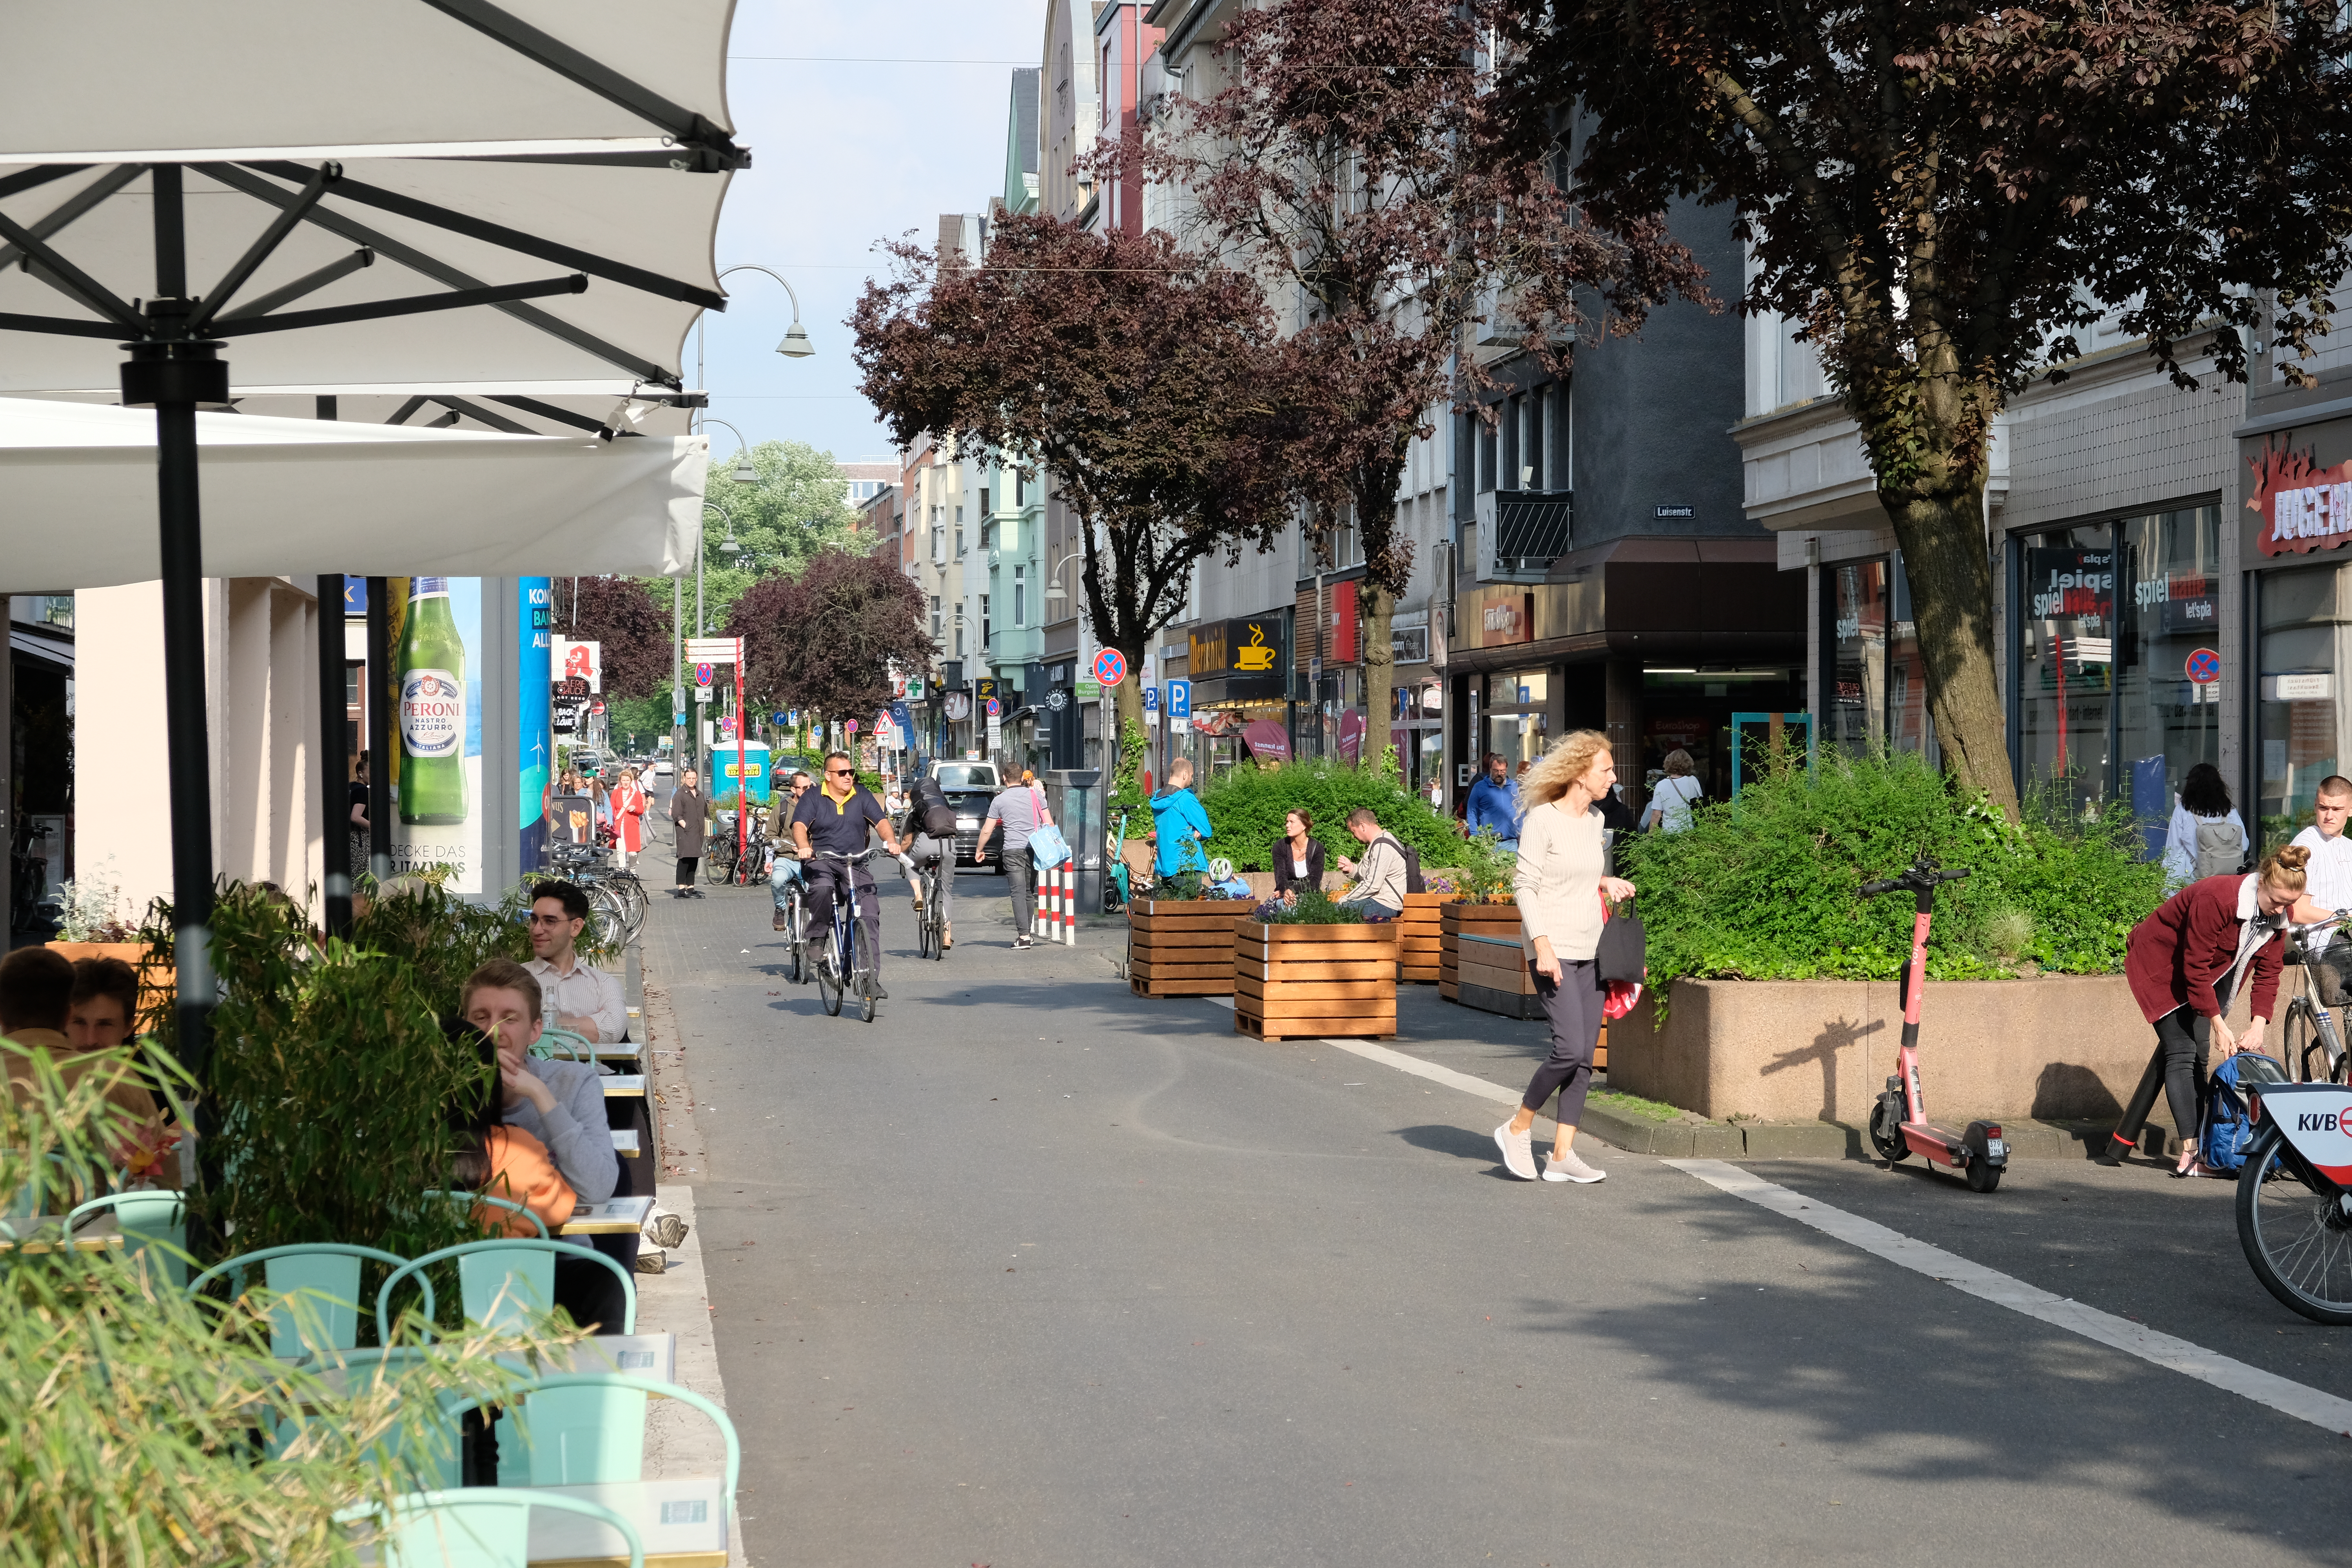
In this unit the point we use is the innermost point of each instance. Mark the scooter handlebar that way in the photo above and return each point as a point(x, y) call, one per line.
point(1916, 879)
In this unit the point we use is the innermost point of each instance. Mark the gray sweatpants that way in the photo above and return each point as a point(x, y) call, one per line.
point(1021, 884)
point(925, 850)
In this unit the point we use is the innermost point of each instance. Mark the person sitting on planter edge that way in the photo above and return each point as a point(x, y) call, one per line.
point(1298, 858)
point(1378, 889)
point(1179, 824)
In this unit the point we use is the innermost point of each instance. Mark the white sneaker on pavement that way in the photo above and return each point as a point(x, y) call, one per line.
point(1519, 1152)
point(1559, 1167)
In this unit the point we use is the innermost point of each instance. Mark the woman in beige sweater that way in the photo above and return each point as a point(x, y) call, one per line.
point(1561, 879)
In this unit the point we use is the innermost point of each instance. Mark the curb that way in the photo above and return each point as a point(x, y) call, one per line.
point(1834, 1141)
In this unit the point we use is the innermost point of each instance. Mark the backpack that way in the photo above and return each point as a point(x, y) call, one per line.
point(2221, 846)
point(937, 817)
point(1413, 879)
point(2226, 1133)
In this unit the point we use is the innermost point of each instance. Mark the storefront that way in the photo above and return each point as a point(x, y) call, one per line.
point(1240, 671)
point(2296, 548)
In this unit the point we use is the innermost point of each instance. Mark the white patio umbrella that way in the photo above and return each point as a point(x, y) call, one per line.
point(343, 193)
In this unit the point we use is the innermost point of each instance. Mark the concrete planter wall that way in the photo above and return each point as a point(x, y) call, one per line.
point(2064, 1047)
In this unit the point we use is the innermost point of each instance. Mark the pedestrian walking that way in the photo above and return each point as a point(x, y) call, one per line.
point(2207, 836)
point(2185, 963)
point(629, 803)
point(1179, 824)
point(1495, 801)
point(1671, 802)
point(1298, 858)
point(687, 811)
point(1561, 880)
point(1020, 810)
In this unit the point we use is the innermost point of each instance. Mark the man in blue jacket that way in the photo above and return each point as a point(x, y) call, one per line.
point(1179, 824)
point(1494, 803)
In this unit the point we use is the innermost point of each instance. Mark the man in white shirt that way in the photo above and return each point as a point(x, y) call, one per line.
point(580, 996)
point(2328, 878)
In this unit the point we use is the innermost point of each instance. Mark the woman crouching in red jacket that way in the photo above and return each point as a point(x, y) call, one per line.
point(2185, 962)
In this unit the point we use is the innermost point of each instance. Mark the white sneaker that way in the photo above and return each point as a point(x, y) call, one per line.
point(1559, 1167)
point(1518, 1151)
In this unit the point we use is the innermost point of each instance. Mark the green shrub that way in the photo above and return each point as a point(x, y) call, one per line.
point(1246, 807)
point(1312, 908)
point(1766, 887)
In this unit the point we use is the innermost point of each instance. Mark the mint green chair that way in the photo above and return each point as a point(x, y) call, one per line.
point(149, 1222)
point(32, 1200)
point(470, 1199)
point(588, 1428)
point(317, 1286)
point(503, 1282)
point(479, 1526)
point(569, 1043)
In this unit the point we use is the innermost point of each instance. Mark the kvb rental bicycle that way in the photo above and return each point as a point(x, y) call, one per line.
point(845, 962)
point(2314, 1050)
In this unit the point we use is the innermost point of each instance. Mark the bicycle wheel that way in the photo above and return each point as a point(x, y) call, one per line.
point(937, 919)
point(608, 924)
point(2297, 1236)
point(632, 894)
point(830, 981)
point(796, 953)
point(927, 938)
point(2305, 1061)
point(718, 866)
point(866, 971)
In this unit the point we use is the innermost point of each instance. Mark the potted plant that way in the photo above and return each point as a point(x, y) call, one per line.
point(1311, 969)
point(1182, 944)
point(1480, 962)
point(91, 924)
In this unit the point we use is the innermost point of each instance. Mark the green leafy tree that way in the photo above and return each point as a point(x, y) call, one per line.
point(798, 509)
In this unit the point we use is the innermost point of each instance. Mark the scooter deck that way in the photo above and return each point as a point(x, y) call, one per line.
point(1942, 1146)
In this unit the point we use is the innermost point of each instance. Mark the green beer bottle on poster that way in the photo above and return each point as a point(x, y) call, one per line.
point(432, 666)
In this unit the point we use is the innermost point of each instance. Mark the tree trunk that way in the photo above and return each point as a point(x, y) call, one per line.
point(1374, 611)
point(1128, 694)
point(1949, 569)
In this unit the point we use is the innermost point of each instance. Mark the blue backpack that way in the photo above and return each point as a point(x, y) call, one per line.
point(2227, 1131)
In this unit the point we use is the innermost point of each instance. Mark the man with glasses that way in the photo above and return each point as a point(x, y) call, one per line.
point(787, 866)
point(836, 819)
point(577, 995)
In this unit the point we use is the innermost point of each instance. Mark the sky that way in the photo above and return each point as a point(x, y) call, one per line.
point(848, 149)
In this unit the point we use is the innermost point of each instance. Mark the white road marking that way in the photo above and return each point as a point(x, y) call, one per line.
point(1990, 1284)
point(1430, 1070)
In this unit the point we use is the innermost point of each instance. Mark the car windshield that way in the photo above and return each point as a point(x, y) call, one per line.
point(967, 775)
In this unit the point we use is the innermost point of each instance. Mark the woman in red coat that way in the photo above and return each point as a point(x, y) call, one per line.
point(2185, 962)
point(629, 801)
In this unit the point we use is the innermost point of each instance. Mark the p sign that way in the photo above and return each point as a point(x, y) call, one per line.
point(1180, 700)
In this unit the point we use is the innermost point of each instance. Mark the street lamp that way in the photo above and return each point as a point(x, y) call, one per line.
point(743, 473)
point(1054, 578)
point(796, 344)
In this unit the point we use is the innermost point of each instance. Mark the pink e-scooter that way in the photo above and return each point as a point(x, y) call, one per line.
point(1898, 1123)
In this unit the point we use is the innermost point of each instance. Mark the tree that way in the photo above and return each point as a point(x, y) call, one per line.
point(1355, 153)
point(798, 508)
point(826, 640)
point(1942, 194)
point(1139, 378)
point(620, 614)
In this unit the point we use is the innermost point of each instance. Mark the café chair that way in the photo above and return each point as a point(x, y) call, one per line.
point(480, 1199)
point(503, 1283)
point(588, 1428)
point(148, 1220)
point(324, 1275)
point(479, 1526)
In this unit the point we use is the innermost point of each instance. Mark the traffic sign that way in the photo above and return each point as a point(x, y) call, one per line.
point(1110, 667)
point(714, 650)
point(2204, 666)
point(1151, 699)
point(1180, 700)
point(995, 709)
point(849, 726)
point(703, 673)
point(777, 717)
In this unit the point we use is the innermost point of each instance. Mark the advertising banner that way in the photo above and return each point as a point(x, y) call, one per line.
point(535, 743)
point(437, 754)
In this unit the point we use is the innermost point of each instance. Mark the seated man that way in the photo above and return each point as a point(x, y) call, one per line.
point(1379, 886)
point(787, 868)
point(582, 998)
point(36, 991)
point(836, 818)
point(105, 1003)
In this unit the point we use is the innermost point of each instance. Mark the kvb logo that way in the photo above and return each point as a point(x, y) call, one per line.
point(2316, 1121)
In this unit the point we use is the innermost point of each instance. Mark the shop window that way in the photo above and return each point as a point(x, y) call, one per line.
point(1854, 714)
point(2067, 673)
point(2307, 635)
point(1517, 688)
point(2167, 612)
point(1518, 738)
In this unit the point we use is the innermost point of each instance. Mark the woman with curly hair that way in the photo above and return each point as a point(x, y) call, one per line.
point(1560, 880)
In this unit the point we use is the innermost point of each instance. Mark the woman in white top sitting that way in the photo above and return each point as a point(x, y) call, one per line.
point(1670, 805)
point(2208, 838)
point(1561, 879)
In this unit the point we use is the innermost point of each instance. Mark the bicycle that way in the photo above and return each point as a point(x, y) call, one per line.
point(930, 921)
point(751, 866)
point(797, 966)
point(846, 964)
point(718, 852)
point(616, 899)
point(2313, 1050)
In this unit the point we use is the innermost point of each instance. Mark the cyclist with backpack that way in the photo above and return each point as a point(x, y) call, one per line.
point(2208, 838)
point(787, 870)
point(931, 831)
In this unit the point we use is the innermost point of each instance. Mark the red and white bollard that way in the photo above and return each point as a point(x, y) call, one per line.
point(1057, 904)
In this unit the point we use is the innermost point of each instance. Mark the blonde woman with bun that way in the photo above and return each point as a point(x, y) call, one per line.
point(1560, 879)
point(2185, 962)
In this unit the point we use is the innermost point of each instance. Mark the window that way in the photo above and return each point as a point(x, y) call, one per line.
point(983, 503)
point(939, 544)
point(935, 617)
point(986, 633)
point(2303, 633)
point(959, 528)
point(958, 642)
point(1020, 488)
point(1020, 596)
point(1854, 712)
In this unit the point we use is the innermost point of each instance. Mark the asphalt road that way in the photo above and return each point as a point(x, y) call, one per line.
point(1032, 1271)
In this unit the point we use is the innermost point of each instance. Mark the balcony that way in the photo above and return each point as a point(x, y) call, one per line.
point(1522, 532)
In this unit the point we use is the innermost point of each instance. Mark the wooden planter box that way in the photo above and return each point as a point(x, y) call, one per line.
point(1480, 962)
point(1418, 933)
point(157, 991)
point(1293, 982)
point(1182, 948)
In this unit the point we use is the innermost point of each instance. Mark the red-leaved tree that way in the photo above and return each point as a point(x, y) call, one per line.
point(620, 614)
point(826, 640)
point(1941, 193)
point(1141, 379)
point(1355, 153)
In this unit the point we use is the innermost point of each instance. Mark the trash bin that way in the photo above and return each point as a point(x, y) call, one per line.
point(1075, 795)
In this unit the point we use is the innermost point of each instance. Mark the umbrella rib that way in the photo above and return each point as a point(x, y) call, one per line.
point(63, 326)
point(259, 251)
point(508, 239)
point(73, 206)
point(473, 410)
point(69, 278)
point(28, 178)
point(309, 283)
point(598, 78)
point(550, 411)
point(407, 305)
point(408, 256)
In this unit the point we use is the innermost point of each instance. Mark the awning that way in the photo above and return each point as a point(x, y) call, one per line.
point(298, 496)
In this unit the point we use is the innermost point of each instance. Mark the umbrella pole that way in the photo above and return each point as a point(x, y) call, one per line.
point(381, 689)
point(334, 764)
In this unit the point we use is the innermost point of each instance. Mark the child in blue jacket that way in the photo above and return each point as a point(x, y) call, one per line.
point(1180, 822)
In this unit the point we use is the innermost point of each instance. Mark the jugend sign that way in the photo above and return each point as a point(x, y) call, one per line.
point(2304, 506)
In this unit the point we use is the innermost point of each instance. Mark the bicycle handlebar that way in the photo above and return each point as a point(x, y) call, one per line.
point(859, 858)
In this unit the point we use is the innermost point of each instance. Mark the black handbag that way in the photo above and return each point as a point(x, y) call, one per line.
point(1620, 956)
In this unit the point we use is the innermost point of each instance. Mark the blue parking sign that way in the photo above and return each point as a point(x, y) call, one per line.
point(1180, 700)
point(1151, 699)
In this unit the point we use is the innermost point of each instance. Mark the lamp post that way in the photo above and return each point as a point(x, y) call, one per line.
point(796, 344)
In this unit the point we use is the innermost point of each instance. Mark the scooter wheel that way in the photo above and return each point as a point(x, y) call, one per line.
point(1886, 1130)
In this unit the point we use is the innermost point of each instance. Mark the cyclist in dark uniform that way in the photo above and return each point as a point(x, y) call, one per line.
point(835, 818)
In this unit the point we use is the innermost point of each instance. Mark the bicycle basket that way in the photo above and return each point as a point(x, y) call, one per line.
point(2335, 973)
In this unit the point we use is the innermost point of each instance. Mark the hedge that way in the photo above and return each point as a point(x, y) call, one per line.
point(1246, 807)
